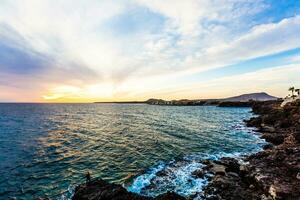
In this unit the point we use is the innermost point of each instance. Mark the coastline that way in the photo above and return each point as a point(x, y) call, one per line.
point(273, 173)
point(244, 100)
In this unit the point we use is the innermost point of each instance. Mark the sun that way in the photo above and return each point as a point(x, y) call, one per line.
point(85, 93)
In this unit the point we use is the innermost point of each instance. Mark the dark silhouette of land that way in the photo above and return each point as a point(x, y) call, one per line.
point(244, 100)
point(122, 102)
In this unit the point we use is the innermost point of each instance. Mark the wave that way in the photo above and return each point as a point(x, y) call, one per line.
point(69, 194)
point(177, 176)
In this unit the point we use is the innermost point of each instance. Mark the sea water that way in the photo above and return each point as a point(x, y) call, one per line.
point(45, 149)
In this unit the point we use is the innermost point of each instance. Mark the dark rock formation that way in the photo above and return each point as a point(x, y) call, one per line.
point(101, 190)
point(235, 104)
point(273, 173)
point(199, 173)
point(233, 184)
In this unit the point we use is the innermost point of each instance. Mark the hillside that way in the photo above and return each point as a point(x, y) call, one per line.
point(241, 100)
point(262, 96)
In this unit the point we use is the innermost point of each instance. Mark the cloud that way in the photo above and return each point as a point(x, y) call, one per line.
point(261, 40)
point(190, 17)
point(19, 60)
point(172, 51)
point(271, 80)
point(125, 46)
point(70, 33)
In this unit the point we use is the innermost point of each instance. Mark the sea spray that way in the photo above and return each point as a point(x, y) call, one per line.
point(178, 175)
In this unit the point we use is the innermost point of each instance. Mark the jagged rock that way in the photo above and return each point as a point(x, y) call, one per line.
point(273, 173)
point(244, 168)
point(235, 104)
point(233, 174)
point(169, 196)
point(231, 164)
point(218, 169)
point(266, 128)
point(206, 162)
point(162, 173)
point(254, 121)
point(275, 139)
point(267, 146)
point(198, 173)
point(101, 190)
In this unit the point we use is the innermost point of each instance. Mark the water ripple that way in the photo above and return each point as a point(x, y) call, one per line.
point(47, 148)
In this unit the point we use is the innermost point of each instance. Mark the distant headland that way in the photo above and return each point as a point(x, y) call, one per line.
point(244, 100)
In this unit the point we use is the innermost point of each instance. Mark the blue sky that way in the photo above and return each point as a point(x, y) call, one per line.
point(84, 51)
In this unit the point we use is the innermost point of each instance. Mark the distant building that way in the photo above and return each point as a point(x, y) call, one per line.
point(289, 99)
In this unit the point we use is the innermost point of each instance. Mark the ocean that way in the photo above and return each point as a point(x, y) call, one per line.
point(46, 149)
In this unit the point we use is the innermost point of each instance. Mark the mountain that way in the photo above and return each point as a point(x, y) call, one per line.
point(236, 101)
point(241, 101)
point(261, 96)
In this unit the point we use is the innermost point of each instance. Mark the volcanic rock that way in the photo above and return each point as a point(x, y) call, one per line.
point(99, 189)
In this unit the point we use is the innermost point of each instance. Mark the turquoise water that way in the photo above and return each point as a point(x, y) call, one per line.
point(45, 149)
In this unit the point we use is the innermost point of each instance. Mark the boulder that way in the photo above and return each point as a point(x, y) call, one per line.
point(231, 164)
point(218, 169)
point(198, 173)
point(266, 128)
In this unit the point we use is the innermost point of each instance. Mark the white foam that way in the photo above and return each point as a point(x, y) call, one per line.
point(68, 195)
point(177, 176)
point(144, 180)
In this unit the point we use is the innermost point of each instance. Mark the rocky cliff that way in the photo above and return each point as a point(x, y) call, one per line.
point(273, 173)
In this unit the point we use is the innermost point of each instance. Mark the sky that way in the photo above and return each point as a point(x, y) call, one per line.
point(123, 50)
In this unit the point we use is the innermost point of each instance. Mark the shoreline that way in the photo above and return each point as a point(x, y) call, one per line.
point(273, 173)
point(259, 178)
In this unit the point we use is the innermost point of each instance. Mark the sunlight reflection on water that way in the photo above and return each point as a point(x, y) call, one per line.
point(47, 148)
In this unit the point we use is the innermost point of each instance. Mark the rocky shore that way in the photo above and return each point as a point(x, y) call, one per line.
point(273, 173)
point(101, 190)
point(270, 174)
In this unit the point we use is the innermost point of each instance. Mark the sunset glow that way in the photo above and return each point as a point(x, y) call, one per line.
point(137, 49)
